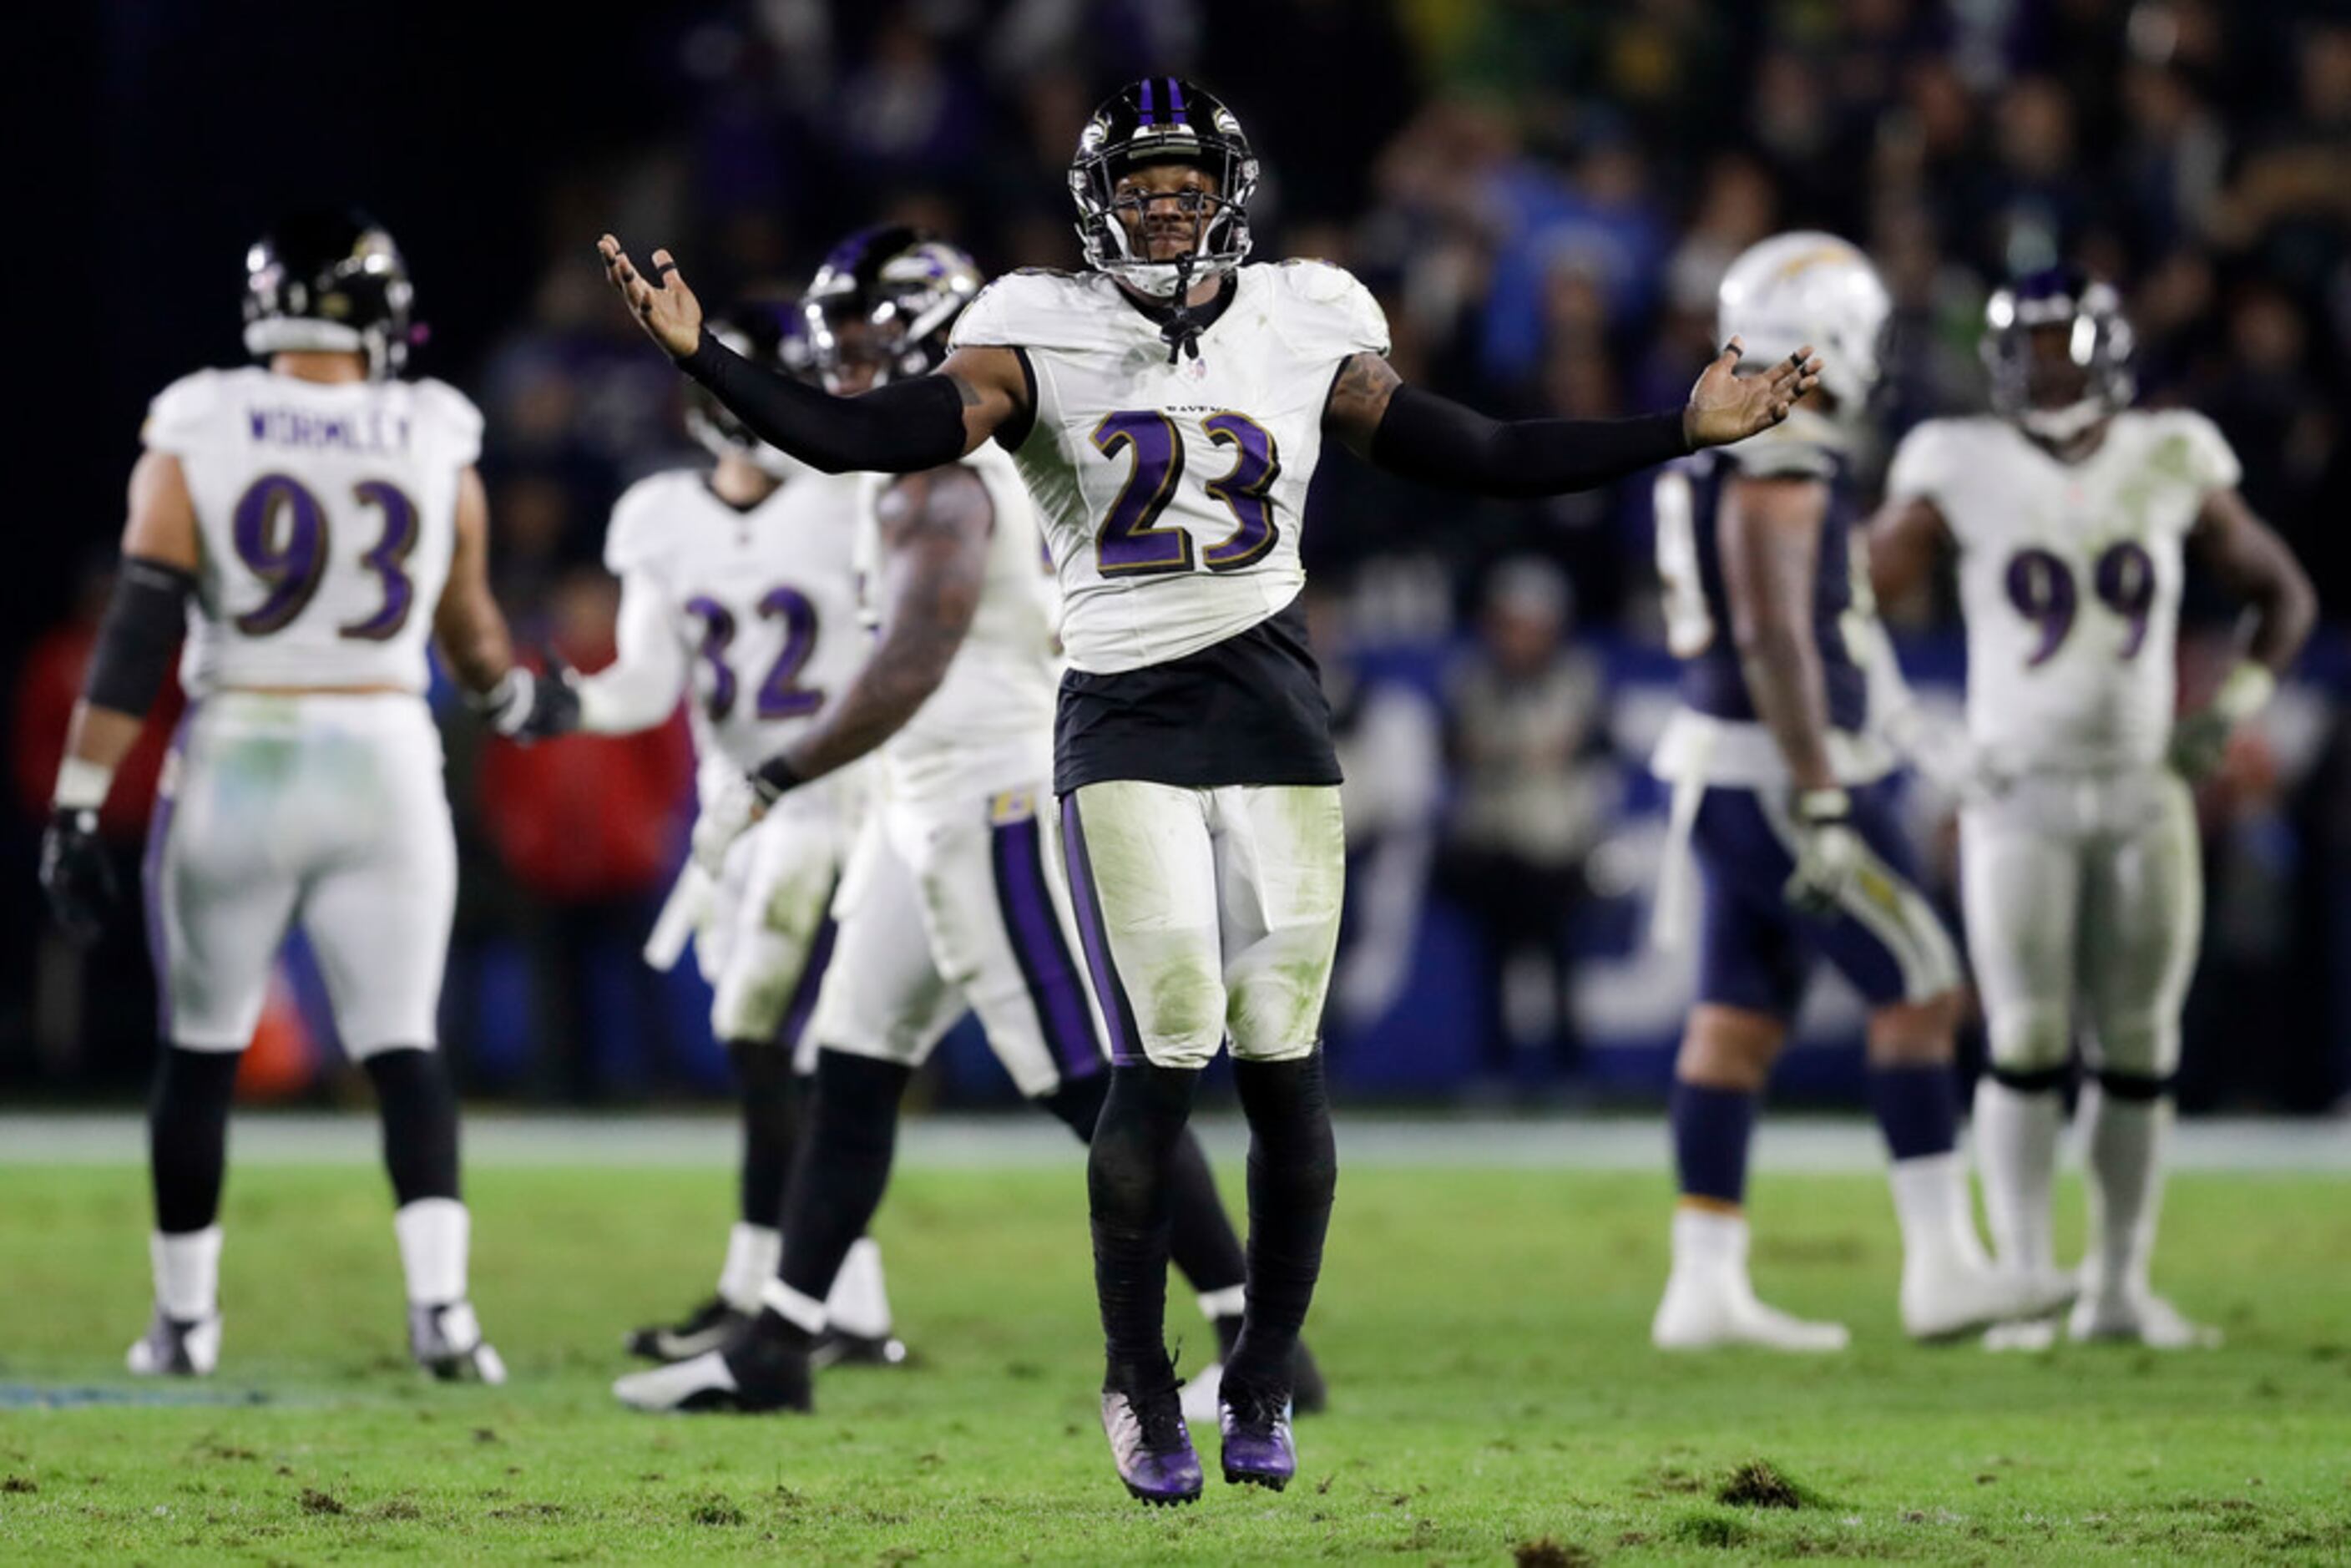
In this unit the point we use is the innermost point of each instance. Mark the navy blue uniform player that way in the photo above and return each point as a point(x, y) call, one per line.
point(1781, 791)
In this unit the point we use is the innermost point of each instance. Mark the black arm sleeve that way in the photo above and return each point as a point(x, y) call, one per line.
point(1436, 441)
point(899, 427)
point(144, 621)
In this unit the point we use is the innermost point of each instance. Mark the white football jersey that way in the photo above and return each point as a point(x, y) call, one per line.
point(1171, 493)
point(990, 726)
point(763, 601)
point(2069, 577)
point(325, 516)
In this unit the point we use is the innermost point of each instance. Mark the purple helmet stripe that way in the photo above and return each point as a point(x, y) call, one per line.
point(1176, 100)
point(1143, 114)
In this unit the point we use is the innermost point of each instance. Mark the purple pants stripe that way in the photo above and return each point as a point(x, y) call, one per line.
point(819, 958)
point(1126, 1048)
point(151, 875)
point(1035, 930)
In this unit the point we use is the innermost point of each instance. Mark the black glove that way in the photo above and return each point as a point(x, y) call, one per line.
point(75, 874)
point(524, 706)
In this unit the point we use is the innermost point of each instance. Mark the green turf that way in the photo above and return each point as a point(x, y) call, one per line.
point(1484, 1331)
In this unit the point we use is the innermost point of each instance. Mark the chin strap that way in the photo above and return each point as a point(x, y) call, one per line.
point(1181, 331)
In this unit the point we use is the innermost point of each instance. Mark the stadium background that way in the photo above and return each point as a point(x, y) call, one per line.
point(1542, 195)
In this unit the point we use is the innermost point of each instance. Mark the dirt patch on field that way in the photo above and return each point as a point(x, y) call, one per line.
point(1758, 1483)
point(1545, 1553)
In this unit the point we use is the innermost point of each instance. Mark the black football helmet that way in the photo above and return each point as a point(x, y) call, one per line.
point(2056, 396)
point(332, 282)
point(770, 334)
point(889, 294)
point(1162, 120)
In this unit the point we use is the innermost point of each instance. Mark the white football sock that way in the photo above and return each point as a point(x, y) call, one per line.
point(2016, 1148)
point(187, 1272)
point(2126, 1143)
point(1707, 1239)
point(1932, 1205)
point(792, 1307)
point(859, 1304)
point(1228, 1303)
point(434, 1233)
point(754, 1252)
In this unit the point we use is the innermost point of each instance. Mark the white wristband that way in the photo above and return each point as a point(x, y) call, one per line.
point(81, 784)
point(2245, 693)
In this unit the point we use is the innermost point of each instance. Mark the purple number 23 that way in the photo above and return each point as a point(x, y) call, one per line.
point(1131, 544)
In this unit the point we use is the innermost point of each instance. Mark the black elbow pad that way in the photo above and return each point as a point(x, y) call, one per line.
point(144, 623)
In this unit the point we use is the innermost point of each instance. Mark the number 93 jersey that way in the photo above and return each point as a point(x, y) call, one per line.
point(325, 513)
point(762, 601)
point(2069, 577)
point(1171, 492)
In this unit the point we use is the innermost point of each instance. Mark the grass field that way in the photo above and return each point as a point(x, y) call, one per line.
point(1494, 1397)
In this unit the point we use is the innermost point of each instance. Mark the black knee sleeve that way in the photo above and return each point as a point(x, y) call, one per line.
point(1293, 1173)
point(1129, 1192)
point(2031, 1080)
point(187, 1135)
point(419, 1105)
point(2137, 1087)
point(772, 1107)
point(842, 1166)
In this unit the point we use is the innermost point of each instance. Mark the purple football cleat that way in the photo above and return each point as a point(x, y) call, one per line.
point(1255, 1421)
point(1151, 1444)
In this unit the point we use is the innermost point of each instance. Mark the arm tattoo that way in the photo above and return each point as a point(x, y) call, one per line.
point(1769, 564)
point(935, 528)
point(1359, 400)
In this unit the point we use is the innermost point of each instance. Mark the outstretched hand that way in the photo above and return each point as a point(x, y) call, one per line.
point(1726, 406)
point(665, 308)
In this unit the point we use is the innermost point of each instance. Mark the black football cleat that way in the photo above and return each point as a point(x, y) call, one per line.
point(766, 1369)
point(711, 1326)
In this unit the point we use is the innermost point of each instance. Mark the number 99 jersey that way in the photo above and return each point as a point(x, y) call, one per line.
point(1171, 491)
point(2069, 577)
point(326, 517)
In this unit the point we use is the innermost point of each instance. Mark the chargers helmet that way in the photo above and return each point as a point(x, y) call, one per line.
point(1162, 120)
point(895, 291)
point(1809, 287)
point(2055, 399)
point(328, 282)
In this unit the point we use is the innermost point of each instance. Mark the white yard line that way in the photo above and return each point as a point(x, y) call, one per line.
point(1564, 1143)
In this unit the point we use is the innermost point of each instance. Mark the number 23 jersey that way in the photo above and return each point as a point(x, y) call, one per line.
point(1171, 493)
point(325, 516)
point(2069, 577)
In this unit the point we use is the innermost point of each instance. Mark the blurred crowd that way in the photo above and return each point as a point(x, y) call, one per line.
point(1544, 197)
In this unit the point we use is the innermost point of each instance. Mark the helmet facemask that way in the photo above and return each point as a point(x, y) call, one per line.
point(887, 298)
point(1157, 121)
point(2058, 349)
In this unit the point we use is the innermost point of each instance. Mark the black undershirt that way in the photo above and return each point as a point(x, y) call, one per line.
point(1248, 710)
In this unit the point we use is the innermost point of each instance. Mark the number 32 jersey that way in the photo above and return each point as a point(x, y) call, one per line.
point(1171, 493)
point(761, 602)
point(325, 516)
point(2069, 577)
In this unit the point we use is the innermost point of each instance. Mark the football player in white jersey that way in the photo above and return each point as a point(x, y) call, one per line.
point(738, 591)
point(2079, 871)
point(1166, 409)
point(307, 523)
point(956, 901)
point(1781, 789)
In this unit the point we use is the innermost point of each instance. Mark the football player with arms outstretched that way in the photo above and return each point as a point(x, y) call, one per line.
point(1165, 408)
point(956, 901)
point(2079, 872)
point(292, 519)
point(738, 590)
point(1782, 789)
